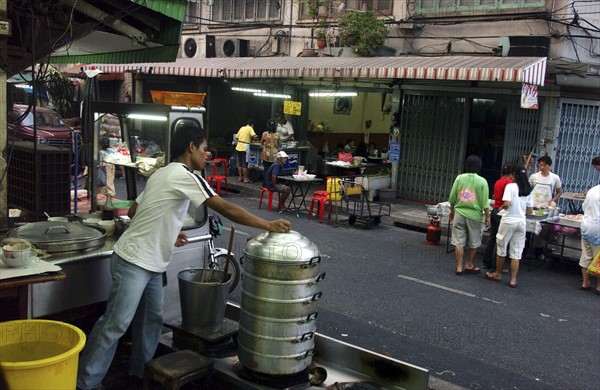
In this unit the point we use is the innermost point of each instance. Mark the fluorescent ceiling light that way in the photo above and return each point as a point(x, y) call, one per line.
point(273, 95)
point(331, 93)
point(248, 90)
point(24, 86)
point(187, 108)
point(148, 117)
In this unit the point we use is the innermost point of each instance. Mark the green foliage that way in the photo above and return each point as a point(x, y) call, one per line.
point(60, 91)
point(362, 31)
point(383, 171)
point(322, 30)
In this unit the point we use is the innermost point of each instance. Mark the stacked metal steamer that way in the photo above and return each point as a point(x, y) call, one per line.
point(280, 291)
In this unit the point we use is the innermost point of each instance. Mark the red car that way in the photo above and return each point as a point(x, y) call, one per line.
point(51, 130)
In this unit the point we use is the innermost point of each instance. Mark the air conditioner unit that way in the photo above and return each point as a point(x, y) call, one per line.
point(524, 46)
point(189, 47)
point(232, 47)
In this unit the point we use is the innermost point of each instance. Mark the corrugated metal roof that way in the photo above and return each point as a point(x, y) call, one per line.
point(172, 8)
point(530, 70)
point(168, 37)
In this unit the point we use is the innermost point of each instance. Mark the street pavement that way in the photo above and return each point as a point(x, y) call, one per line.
point(388, 291)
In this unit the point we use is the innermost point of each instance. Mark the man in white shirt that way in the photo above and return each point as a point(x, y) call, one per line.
point(546, 185)
point(284, 128)
point(144, 251)
point(547, 188)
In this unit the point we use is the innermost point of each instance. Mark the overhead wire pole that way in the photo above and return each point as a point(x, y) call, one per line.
point(36, 157)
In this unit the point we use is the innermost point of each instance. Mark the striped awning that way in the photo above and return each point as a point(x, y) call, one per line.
point(529, 70)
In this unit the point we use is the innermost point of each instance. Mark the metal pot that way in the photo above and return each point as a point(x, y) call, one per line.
point(292, 345)
point(282, 289)
point(280, 292)
point(282, 256)
point(278, 328)
point(275, 364)
point(307, 269)
point(122, 224)
point(279, 308)
point(60, 237)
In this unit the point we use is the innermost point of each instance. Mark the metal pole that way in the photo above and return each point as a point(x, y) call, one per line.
point(76, 170)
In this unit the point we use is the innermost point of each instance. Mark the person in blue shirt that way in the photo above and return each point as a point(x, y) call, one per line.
point(270, 182)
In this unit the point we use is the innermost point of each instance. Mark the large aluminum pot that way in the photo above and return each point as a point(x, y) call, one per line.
point(282, 256)
point(279, 308)
point(282, 289)
point(280, 292)
point(278, 328)
point(60, 237)
point(282, 346)
point(276, 364)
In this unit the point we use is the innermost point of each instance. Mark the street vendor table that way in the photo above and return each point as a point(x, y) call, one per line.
point(567, 245)
point(299, 189)
point(347, 169)
point(571, 198)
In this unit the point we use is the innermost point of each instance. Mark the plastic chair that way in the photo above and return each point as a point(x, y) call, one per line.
point(330, 194)
point(321, 201)
point(217, 176)
point(270, 203)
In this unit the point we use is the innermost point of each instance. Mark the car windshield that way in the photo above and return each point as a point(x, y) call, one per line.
point(43, 119)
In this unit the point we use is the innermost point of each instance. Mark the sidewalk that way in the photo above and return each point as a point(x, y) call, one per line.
point(405, 213)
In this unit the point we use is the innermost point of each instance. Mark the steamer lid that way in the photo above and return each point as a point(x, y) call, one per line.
point(289, 247)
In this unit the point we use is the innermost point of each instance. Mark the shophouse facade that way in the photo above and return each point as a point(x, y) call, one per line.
point(440, 116)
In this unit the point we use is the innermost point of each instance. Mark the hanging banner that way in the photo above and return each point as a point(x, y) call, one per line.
point(529, 96)
point(292, 108)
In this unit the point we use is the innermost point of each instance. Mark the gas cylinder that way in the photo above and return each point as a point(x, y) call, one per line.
point(434, 232)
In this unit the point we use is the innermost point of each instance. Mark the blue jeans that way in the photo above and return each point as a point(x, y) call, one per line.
point(136, 297)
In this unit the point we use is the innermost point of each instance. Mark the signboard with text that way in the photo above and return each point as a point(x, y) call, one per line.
point(292, 108)
point(394, 153)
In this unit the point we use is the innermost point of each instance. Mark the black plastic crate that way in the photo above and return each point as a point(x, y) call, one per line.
point(51, 192)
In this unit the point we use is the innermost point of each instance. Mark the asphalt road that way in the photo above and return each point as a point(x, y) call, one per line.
point(387, 291)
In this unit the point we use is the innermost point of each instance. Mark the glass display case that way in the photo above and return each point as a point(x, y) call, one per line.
point(137, 139)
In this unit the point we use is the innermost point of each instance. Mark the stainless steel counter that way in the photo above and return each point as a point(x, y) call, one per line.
point(88, 277)
point(343, 362)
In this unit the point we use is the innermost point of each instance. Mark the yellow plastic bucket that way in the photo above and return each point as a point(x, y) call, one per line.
point(40, 354)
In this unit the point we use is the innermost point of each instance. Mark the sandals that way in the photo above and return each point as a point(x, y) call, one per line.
point(472, 270)
point(490, 276)
point(512, 285)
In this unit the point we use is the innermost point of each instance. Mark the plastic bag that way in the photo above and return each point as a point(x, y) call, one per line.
point(594, 268)
point(346, 157)
point(101, 177)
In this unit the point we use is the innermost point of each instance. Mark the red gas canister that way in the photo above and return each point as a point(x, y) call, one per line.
point(434, 232)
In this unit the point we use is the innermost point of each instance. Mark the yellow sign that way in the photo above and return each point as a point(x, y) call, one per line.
point(292, 108)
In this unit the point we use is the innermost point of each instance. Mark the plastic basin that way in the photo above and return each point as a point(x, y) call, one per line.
point(40, 354)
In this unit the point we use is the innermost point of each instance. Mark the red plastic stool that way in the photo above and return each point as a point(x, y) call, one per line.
point(217, 177)
point(270, 204)
point(321, 200)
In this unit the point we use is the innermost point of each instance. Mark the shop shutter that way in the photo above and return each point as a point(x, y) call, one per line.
point(577, 143)
point(432, 145)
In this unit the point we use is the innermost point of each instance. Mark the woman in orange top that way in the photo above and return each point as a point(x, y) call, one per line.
point(271, 142)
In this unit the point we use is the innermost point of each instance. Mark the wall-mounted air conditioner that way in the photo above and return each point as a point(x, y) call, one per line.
point(232, 47)
point(189, 47)
point(524, 46)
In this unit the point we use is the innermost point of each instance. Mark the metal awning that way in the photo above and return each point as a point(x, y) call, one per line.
point(529, 70)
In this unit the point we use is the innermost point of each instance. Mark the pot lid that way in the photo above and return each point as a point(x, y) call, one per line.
point(281, 247)
point(56, 232)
